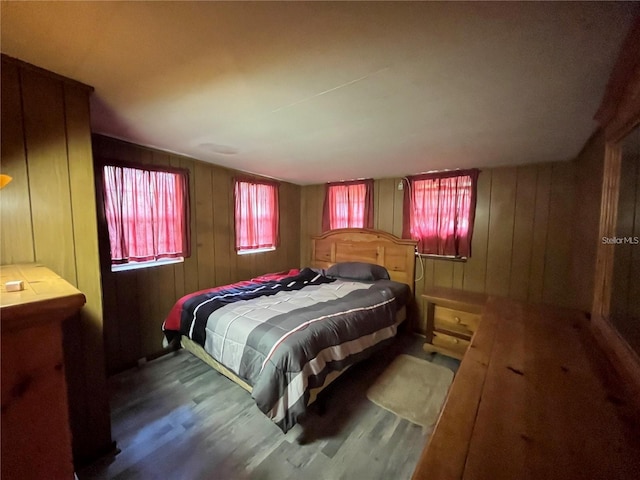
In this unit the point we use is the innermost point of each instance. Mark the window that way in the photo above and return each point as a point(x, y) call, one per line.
point(256, 215)
point(147, 214)
point(348, 205)
point(440, 210)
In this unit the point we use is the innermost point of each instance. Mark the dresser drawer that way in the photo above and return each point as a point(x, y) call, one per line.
point(457, 346)
point(457, 321)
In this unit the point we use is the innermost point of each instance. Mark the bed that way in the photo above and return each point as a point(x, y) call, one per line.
point(284, 337)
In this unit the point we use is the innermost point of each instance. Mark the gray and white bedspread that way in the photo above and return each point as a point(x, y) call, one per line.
point(285, 343)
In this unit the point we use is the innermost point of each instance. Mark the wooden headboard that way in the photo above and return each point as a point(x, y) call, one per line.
point(397, 255)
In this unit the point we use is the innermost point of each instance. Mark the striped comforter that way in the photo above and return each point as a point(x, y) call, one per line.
point(284, 335)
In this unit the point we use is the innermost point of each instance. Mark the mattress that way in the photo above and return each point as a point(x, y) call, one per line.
point(283, 336)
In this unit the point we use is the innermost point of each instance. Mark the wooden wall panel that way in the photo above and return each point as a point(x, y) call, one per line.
point(501, 222)
point(87, 266)
point(312, 200)
point(523, 232)
point(44, 123)
point(559, 247)
point(539, 247)
point(16, 213)
point(203, 182)
point(443, 273)
point(125, 289)
point(397, 208)
point(48, 215)
point(145, 296)
point(513, 251)
point(384, 214)
point(586, 219)
point(223, 237)
point(178, 270)
point(191, 263)
point(475, 269)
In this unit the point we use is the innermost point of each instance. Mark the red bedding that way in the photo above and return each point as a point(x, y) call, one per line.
point(172, 321)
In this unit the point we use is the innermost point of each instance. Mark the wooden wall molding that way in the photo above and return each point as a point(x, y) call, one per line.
point(608, 215)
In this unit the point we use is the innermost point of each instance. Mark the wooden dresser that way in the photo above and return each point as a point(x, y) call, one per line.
point(452, 317)
point(534, 398)
point(36, 439)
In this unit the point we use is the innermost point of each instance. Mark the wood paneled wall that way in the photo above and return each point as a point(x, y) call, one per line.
point(48, 215)
point(586, 220)
point(137, 301)
point(522, 237)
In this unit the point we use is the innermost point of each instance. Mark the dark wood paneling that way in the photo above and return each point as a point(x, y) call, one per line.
point(539, 248)
point(558, 252)
point(191, 263)
point(475, 269)
point(586, 220)
point(514, 253)
point(145, 296)
point(501, 222)
point(49, 216)
point(223, 237)
point(523, 232)
point(204, 225)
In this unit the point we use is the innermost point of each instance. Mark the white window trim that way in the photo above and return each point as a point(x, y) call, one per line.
point(256, 250)
point(121, 267)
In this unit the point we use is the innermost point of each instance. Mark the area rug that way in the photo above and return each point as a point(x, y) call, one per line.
point(413, 389)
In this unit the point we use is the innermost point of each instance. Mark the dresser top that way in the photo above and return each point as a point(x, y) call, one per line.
point(46, 297)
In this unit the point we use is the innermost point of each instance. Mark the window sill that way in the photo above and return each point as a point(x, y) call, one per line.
point(451, 258)
point(257, 250)
point(139, 265)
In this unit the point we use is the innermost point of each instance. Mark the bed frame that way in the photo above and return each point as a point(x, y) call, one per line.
point(341, 245)
point(397, 255)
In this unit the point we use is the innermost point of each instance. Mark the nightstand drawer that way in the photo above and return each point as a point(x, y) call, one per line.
point(455, 345)
point(457, 321)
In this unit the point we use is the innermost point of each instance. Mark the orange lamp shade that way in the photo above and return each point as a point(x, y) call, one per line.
point(4, 179)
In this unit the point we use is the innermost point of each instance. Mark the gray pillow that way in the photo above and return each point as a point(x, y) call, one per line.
point(357, 271)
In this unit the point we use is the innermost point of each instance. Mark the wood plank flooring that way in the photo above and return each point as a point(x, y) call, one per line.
point(176, 418)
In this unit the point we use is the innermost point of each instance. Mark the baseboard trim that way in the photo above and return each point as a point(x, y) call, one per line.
point(623, 358)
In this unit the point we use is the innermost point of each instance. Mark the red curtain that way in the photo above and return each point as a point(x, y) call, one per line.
point(348, 205)
point(256, 214)
point(439, 211)
point(147, 213)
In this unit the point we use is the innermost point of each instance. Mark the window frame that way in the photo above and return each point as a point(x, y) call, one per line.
point(160, 259)
point(367, 203)
point(462, 243)
point(275, 216)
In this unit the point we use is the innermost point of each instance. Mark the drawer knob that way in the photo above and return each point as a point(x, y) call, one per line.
point(456, 341)
point(457, 319)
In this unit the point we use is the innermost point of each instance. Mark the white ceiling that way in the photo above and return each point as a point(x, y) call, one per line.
point(312, 92)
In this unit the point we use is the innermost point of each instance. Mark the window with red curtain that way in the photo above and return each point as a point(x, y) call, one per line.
point(348, 205)
point(439, 211)
point(147, 213)
point(256, 215)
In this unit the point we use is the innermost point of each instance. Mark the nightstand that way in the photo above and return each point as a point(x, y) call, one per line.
point(452, 317)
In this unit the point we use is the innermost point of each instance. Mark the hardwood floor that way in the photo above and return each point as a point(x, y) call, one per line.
point(176, 418)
